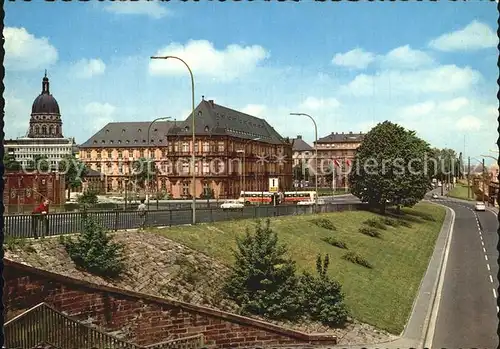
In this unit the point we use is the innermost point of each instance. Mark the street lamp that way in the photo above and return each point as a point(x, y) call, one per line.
point(150, 158)
point(193, 125)
point(244, 160)
point(316, 152)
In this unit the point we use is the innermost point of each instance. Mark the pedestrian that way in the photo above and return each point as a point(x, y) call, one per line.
point(39, 214)
point(142, 213)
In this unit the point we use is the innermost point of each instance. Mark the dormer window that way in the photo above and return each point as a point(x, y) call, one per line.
point(186, 128)
point(123, 130)
point(107, 131)
point(119, 142)
point(206, 128)
point(127, 141)
point(103, 141)
point(139, 130)
point(135, 140)
point(155, 130)
point(111, 142)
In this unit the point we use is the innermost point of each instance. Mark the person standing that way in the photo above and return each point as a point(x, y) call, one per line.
point(39, 214)
point(142, 213)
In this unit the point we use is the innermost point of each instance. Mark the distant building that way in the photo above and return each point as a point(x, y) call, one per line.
point(44, 136)
point(336, 148)
point(225, 140)
point(302, 154)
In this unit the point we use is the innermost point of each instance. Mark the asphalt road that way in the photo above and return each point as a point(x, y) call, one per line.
point(69, 222)
point(467, 311)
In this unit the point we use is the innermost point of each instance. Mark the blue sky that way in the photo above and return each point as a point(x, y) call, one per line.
point(428, 66)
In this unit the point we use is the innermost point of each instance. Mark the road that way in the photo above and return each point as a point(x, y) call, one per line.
point(467, 305)
point(67, 222)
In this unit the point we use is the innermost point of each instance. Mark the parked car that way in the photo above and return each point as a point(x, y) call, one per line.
point(480, 206)
point(435, 196)
point(232, 205)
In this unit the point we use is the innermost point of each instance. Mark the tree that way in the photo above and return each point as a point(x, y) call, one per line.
point(263, 280)
point(39, 163)
point(74, 172)
point(141, 168)
point(391, 165)
point(444, 163)
point(323, 299)
point(88, 199)
point(10, 163)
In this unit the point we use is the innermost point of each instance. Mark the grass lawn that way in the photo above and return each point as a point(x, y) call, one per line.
point(329, 191)
point(460, 192)
point(382, 296)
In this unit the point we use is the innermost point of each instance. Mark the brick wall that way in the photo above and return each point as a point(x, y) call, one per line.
point(141, 319)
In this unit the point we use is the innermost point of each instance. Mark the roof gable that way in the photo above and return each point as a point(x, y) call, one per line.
point(342, 138)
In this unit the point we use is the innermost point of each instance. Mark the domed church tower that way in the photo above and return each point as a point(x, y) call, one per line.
point(45, 119)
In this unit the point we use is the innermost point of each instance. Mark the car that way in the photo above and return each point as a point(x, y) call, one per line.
point(434, 196)
point(232, 205)
point(480, 206)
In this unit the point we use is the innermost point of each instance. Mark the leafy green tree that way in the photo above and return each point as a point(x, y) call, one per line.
point(444, 163)
point(263, 280)
point(140, 170)
point(94, 251)
point(74, 172)
point(10, 163)
point(323, 299)
point(88, 199)
point(391, 165)
point(39, 162)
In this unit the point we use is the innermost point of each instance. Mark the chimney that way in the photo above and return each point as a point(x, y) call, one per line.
point(299, 137)
point(211, 101)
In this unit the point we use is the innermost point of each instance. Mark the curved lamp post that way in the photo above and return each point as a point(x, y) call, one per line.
point(150, 158)
point(316, 152)
point(193, 125)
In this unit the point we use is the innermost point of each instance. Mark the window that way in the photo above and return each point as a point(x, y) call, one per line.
point(196, 148)
point(160, 154)
point(120, 154)
point(185, 147)
point(185, 189)
point(185, 167)
point(176, 147)
point(206, 167)
point(206, 147)
point(220, 146)
point(206, 188)
point(98, 154)
point(220, 167)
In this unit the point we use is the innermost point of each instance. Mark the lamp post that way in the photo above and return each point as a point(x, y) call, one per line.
point(149, 153)
point(316, 153)
point(193, 128)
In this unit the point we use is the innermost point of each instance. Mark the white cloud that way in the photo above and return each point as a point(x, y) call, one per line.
point(24, 51)
point(441, 79)
point(257, 110)
point(474, 36)
point(100, 114)
point(315, 104)
point(152, 9)
point(87, 68)
point(355, 59)
point(406, 57)
point(468, 123)
point(205, 60)
point(17, 114)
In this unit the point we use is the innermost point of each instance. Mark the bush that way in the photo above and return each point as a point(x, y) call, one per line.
point(94, 251)
point(405, 224)
point(370, 231)
point(323, 223)
point(375, 224)
point(334, 242)
point(323, 299)
point(263, 280)
point(424, 216)
point(389, 221)
point(88, 198)
point(355, 258)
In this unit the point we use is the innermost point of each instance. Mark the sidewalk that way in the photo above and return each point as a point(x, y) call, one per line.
point(415, 332)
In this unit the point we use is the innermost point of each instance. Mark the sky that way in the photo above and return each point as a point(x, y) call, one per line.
point(428, 66)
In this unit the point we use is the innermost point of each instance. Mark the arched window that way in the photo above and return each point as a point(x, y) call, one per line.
point(37, 129)
point(52, 130)
point(44, 129)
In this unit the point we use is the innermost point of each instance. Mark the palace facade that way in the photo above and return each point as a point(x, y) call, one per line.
point(234, 151)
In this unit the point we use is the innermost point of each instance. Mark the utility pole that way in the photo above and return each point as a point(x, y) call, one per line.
point(468, 178)
point(484, 180)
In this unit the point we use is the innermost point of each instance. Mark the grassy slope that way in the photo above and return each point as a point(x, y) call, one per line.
point(461, 192)
point(383, 296)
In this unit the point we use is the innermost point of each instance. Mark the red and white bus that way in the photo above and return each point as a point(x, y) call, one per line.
point(265, 197)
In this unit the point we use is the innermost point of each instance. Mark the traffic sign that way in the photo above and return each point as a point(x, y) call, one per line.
point(273, 184)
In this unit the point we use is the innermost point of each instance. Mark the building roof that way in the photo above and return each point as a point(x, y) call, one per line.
point(214, 119)
point(45, 103)
point(129, 134)
point(300, 145)
point(342, 137)
point(92, 173)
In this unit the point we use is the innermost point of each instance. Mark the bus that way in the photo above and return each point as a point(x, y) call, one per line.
point(265, 197)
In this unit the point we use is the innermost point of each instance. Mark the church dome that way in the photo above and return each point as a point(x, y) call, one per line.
point(45, 103)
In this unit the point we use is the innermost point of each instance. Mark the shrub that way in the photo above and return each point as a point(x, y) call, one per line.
point(424, 216)
point(375, 224)
point(334, 242)
point(12, 243)
point(355, 258)
point(94, 251)
point(323, 299)
point(323, 223)
point(88, 198)
point(405, 224)
point(389, 221)
point(263, 279)
point(370, 231)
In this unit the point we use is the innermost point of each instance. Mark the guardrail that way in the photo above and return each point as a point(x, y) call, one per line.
point(29, 226)
point(43, 324)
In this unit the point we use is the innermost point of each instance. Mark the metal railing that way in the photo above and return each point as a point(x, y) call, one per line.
point(43, 324)
point(23, 226)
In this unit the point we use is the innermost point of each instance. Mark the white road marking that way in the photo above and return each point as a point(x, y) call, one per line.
point(486, 257)
point(484, 250)
point(491, 279)
point(488, 266)
point(482, 242)
point(481, 237)
point(494, 293)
